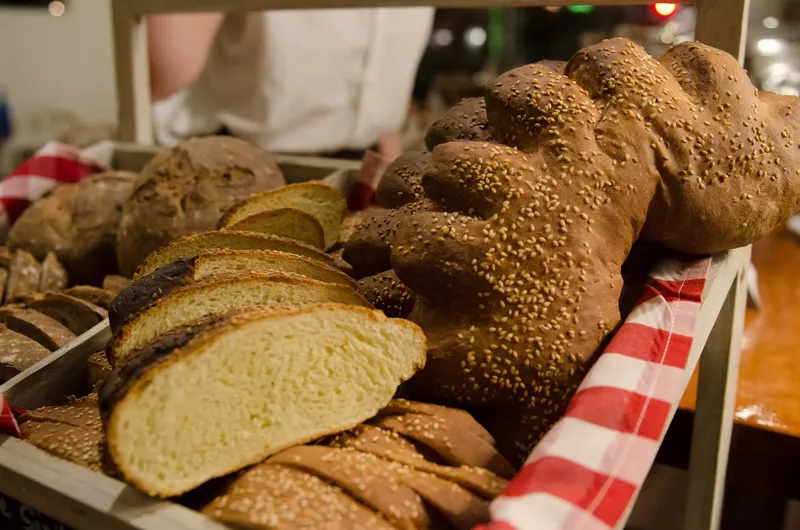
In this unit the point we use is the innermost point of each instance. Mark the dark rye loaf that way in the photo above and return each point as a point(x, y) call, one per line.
point(36, 326)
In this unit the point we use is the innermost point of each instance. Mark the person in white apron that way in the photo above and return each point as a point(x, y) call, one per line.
point(300, 81)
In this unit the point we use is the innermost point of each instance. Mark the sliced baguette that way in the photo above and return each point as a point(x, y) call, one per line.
point(284, 222)
point(36, 326)
point(147, 289)
point(249, 386)
point(193, 245)
point(222, 293)
point(315, 198)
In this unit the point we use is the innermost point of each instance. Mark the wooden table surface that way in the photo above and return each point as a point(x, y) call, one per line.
point(768, 395)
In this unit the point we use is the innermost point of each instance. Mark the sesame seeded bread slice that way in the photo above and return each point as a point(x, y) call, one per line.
point(54, 276)
point(72, 432)
point(94, 295)
point(285, 222)
point(222, 293)
point(461, 508)
point(293, 375)
point(24, 274)
point(73, 313)
point(234, 240)
point(283, 498)
point(147, 289)
point(326, 204)
point(18, 353)
point(457, 418)
point(372, 481)
point(36, 326)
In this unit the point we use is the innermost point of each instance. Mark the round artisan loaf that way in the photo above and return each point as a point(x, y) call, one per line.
point(186, 189)
point(78, 222)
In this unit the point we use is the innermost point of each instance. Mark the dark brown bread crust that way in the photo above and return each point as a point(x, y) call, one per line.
point(387, 293)
point(147, 289)
point(465, 121)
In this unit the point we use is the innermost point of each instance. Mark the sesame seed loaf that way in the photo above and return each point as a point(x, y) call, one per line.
point(75, 314)
point(18, 353)
point(147, 289)
point(387, 293)
point(284, 222)
point(515, 257)
point(222, 293)
point(316, 199)
point(94, 295)
point(36, 326)
point(189, 246)
point(24, 276)
point(289, 385)
point(464, 121)
point(186, 189)
point(72, 432)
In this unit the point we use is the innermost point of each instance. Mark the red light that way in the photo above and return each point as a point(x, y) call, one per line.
point(664, 9)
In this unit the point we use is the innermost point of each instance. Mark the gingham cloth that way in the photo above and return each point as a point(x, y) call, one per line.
point(586, 472)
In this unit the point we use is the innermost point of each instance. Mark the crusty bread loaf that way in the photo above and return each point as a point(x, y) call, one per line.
point(516, 259)
point(78, 222)
point(147, 289)
point(73, 313)
point(53, 277)
point(36, 326)
point(185, 190)
point(97, 370)
point(18, 353)
point(189, 246)
point(219, 294)
point(24, 275)
point(94, 295)
point(324, 203)
point(116, 283)
point(270, 364)
point(284, 222)
point(387, 293)
point(72, 432)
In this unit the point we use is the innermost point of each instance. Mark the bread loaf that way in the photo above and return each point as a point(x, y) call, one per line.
point(116, 283)
point(72, 432)
point(517, 275)
point(78, 223)
point(189, 246)
point(186, 189)
point(147, 289)
point(39, 327)
point(387, 293)
point(222, 293)
point(270, 366)
point(18, 353)
point(94, 295)
point(75, 314)
point(53, 277)
point(24, 275)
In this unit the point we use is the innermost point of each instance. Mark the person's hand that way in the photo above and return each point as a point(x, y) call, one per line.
point(390, 146)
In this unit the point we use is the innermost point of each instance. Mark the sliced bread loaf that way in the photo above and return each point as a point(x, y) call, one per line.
point(94, 295)
point(116, 283)
point(293, 376)
point(73, 313)
point(315, 198)
point(188, 246)
point(284, 222)
point(222, 293)
point(147, 289)
point(37, 326)
point(18, 353)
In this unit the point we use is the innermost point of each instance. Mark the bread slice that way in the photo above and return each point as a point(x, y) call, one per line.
point(18, 353)
point(37, 326)
point(147, 289)
point(282, 498)
point(24, 273)
point(250, 386)
point(93, 295)
point(222, 293)
point(284, 222)
point(75, 314)
point(315, 198)
point(234, 240)
point(72, 432)
point(54, 276)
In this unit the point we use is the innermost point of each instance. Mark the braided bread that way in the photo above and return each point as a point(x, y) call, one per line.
point(514, 245)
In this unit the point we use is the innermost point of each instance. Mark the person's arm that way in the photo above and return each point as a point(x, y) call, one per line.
point(178, 45)
point(390, 145)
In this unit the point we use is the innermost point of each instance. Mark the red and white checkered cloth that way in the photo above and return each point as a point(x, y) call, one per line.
point(586, 471)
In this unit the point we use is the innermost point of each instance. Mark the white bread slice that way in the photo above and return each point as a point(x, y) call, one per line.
point(193, 245)
point(284, 222)
point(315, 198)
point(220, 294)
point(249, 386)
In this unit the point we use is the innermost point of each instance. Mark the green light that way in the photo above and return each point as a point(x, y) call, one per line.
point(581, 10)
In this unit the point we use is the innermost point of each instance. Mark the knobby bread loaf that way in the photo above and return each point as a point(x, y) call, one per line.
point(221, 293)
point(189, 246)
point(387, 293)
point(78, 222)
point(18, 353)
point(323, 203)
point(36, 326)
point(147, 289)
point(167, 411)
point(284, 222)
point(73, 432)
point(186, 189)
point(517, 275)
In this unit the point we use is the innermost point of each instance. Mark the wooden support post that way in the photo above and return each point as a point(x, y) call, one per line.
point(133, 74)
point(716, 400)
point(723, 24)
